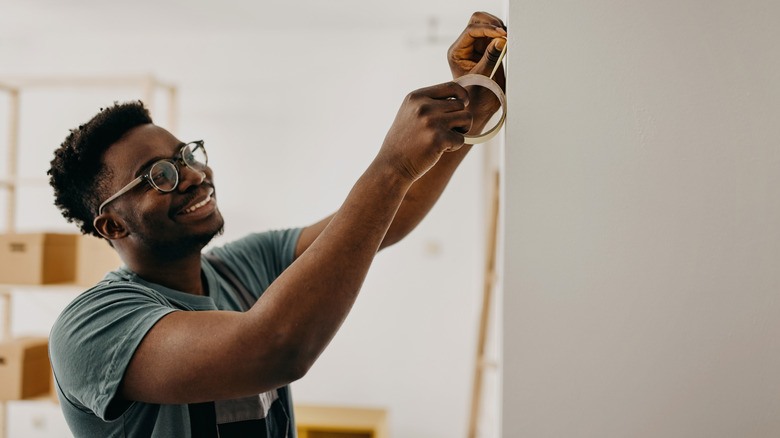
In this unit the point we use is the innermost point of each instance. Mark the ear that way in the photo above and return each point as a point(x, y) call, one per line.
point(110, 226)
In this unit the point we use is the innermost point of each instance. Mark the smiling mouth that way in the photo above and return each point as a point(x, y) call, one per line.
point(198, 205)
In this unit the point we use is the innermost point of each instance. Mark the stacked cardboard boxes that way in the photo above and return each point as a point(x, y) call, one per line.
point(52, 258)
point(24, 368)
point(42, 259)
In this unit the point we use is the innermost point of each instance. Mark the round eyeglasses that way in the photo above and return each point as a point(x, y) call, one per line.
point(163, 174)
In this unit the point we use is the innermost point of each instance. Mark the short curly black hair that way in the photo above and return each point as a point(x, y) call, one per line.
point(77, 171)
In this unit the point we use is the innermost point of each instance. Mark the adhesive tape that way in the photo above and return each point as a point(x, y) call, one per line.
point(484, 81)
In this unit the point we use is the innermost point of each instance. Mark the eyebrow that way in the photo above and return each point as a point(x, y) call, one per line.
point(151, 161)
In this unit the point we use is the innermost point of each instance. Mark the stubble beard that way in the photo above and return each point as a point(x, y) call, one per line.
point(181, 247)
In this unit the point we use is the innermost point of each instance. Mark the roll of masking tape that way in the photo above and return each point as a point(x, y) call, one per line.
point(484, 81)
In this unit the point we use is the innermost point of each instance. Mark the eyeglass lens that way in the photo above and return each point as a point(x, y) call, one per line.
point(194, 155)
point(164, 174)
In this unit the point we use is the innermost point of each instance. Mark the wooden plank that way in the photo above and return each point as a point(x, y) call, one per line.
point(487, 299)
point(13, 146)
point(18, 82)
point(3, 419)
point(33, 181)
point(173, 123)
point(5, 299)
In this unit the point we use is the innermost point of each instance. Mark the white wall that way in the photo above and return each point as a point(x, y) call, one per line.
point(292, 115)
point(642, 289)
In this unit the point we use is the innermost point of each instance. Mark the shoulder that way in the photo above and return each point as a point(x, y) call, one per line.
point(259, 258)
point(107, 295)
point(102, 327)
point(267, 239)
point(275, 246)
point(110, 304)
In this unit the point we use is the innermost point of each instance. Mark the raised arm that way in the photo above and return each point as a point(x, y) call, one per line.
point(475, 51)
point(198, 356)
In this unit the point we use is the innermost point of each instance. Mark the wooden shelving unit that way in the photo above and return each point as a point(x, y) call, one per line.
point(14, 87)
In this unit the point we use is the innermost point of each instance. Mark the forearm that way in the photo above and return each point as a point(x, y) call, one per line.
point(424, 193)
point(476, 51)
point(280, 337)
point(311, 299)
point(422, 196)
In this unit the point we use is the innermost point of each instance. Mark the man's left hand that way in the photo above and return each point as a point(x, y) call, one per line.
point(476, 51)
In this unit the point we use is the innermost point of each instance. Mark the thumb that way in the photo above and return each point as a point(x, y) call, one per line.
point(489, 59)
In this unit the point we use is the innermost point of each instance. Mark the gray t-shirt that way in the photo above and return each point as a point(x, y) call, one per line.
point(94, 338)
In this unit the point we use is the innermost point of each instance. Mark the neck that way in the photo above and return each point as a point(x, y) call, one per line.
point(181, 273)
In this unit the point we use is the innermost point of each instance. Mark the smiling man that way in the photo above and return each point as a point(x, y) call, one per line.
point(178, 343)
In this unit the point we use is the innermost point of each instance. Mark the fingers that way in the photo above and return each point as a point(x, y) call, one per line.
point(487, 65)
point(484, 17)
point(448, 90)
point(442, 109)
point(460, 123)
point(481, 30)
point(449, 99)
point(494, 50)
point(455, 125)
point(484, 25)
point(475, 40)
point(430, 122)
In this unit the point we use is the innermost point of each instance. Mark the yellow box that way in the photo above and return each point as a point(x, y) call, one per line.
point(94, 257)
point(314, 421)
point(24, 368)
point(37, 258)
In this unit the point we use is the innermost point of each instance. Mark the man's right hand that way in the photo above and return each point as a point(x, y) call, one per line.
point(431, 121)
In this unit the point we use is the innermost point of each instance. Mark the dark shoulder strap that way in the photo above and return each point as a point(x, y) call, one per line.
point(247, 300)
point(244, 297)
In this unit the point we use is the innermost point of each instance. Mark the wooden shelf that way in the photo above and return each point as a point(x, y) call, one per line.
point(11, 181)
point(9, 83)
point(68, 287)
point(14, 85)
point(31, 181)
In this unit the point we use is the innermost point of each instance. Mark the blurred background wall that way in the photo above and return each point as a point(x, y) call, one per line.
point(293, 100)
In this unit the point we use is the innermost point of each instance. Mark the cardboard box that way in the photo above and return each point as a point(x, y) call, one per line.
point(94, 257)
point(24, 368)
point(39, 258)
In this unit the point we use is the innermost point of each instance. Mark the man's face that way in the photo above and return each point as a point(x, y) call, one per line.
point(168, 224)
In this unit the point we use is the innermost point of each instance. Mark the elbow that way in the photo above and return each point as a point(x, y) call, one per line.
point(297, 370)
point(395, 235)
point(294, 365)
point(387, 242)
point(400, 228)
point(282, 371)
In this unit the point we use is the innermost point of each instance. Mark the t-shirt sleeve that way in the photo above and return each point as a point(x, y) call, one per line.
point(259, 258)
point(93, 340)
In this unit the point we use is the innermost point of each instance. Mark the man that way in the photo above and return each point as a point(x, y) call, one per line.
point(162, 347)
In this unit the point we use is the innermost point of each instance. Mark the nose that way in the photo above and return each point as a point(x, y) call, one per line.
point(189, 177)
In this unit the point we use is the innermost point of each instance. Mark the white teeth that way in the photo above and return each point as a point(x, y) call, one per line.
point(198, 205)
